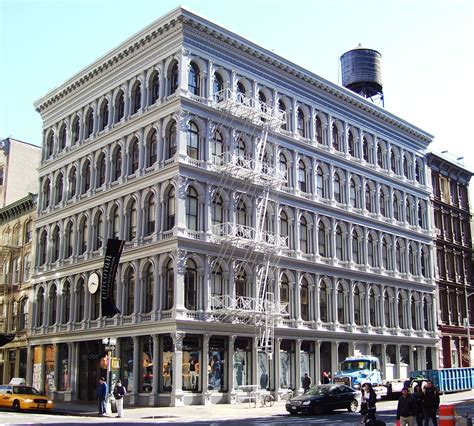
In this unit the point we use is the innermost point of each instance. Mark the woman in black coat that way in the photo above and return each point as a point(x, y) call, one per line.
point(368, 400)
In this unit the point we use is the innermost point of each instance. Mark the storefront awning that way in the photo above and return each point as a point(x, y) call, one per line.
point(5, 339)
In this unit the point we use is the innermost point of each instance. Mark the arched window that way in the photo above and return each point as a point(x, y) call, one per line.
point(168, 274)
point(151, 148)
point(383, 203)
point(300, 124)
point(401, 317)
point(302, 178)
point(372, 311)
point(89, 123)
point(340, 304)
point(192, 209)
point(53, 305)
point(155, 87)
point(68, 240)
point(284, 290)
point(353, 194)
point(119, 107)
point(136, 98)
point(242, 216)
point(86, 177)
point(80, 301)
point(319, 130)
point(133, 156)
point(190, 285)
point(148, 288)
point(95, 305)
point(129, 292)
point(194, 85)
point(58, 190)
point(365, 150)
point(337, 188)
point(49, 145)
point(170, 209)
point(217, 283)
point(405, 166)
point(115, 223)
point(379, 156)
point(83, 236)
point(217, 147)
point(173, 79)
point(385, 254)
point(304, 243)
point(241, 149)
point(351, 145)
point(217, 210)
point(104, 115)
point(284, 226)
point(171, 140)
point(56, 244)
point(241, 92)
point(339, 244)
point(46, 193)
point(99, 231)
point(284, 168)
point(218, 87)
point(40, 308)
point(418, 170)
point(282, 108)
point(192, 142)
point(101, 168)
point(72, 183)
point(15, 270)
point(117, 163)
point(386, 310)
point(26, 266)
point(241, 284)
point(322, 246)
point(369, 205)
point(411, 260)
point(23, 314)
point(76, 129)
point(320, 187)
point(424, 263)
point(304, 300)
point(426, 316)
point(62, 137)
point(43, 246)
point(393, 162)
point(150, 215)
point(399, 258)
point(356, 257)
point(413, 313)
point(323, 302)
point(371, 251)
point(357, 306)
point(66, 303)
point(335, 138)
point(132, 221)
point(396, 207)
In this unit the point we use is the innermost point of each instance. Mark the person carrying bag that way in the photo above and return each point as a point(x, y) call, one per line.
point(119, 393)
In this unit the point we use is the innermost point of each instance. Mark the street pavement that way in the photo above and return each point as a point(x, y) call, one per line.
point(73, 413)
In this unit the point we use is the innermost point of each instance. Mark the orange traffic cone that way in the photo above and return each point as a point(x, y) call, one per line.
point(447, 415)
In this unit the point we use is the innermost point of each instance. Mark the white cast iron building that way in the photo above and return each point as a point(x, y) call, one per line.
point(275, 223)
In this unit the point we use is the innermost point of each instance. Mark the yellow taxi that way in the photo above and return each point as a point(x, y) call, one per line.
point(23, 397)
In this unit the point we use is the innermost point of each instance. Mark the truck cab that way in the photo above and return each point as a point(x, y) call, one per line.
point(357, 370)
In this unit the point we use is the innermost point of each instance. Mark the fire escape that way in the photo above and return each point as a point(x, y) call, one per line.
point(260, 180)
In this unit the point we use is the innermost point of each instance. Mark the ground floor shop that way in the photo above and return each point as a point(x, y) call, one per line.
point(13, 360)
point(192, 368)
point(455, 348)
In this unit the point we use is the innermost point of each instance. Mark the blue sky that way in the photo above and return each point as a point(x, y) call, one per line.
point(426, 47)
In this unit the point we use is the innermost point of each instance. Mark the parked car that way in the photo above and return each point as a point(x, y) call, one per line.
point(22, 397)
point(324, 398)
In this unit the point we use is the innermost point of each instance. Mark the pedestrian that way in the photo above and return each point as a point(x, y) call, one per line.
point(367, 405)
point(406, 408)
point(326, 378)
point(102, 391)
point(119, 393)
point(430, 403)
point(418, 395)
point(306, 382)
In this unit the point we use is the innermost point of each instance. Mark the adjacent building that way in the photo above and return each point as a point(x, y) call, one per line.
point(16, 258)
point(452, 220)
point(18, 170)
point(275, 223)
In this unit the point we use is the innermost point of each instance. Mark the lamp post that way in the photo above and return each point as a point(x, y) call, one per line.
point(467, 323)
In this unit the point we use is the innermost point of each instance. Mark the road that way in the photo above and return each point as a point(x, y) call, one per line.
point(206, 415)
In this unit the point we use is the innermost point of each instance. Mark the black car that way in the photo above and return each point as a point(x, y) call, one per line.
point(324, 398)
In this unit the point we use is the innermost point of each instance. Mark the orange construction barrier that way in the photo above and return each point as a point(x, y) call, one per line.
point(447, 416)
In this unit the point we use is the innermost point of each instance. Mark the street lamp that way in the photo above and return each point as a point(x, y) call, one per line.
point(467, 322)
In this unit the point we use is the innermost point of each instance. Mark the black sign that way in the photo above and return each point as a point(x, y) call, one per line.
point(111, 261)
point(6, 338)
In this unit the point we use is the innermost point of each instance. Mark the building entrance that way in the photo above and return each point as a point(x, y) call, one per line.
point(89, 356)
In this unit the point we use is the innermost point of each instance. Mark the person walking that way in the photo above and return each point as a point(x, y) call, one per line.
point(326, 379)
point(119, 393)
point(306, 382)
point(102, 391)
point(418, 395)
point(367, 405)
point(406, 409)
point(430, 403)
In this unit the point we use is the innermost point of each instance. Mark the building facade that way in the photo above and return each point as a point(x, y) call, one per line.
point(17, 254)
point(18, 170)
point(234, 176)
point(452, 219)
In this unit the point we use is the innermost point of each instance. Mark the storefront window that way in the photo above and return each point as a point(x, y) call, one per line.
point(242, 358)
point(22, 365)
point(306, 359)
point(192, 363)
point(126, 355)
point(263, 366)
point(286, 364)
point(217, 367)
point(49, 370)
point(146, 373)
point(167, 350)
point(63, 359)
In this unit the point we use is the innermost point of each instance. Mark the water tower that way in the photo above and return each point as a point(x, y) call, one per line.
point(362, 73)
